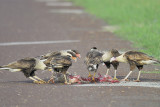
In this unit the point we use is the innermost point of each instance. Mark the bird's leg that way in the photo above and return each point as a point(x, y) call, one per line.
point(89, 74)
point(115, 76)
point(94, 76)
point(34, 80)
point(107, 71)
point(127, 76)
point(138, 77)
point(65, 78)
point(40, 80)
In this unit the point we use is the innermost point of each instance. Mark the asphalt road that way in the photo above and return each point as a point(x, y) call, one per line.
point(33, 21)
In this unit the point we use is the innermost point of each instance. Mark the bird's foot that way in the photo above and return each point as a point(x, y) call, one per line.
point(115, 78)
point(124, 80)
point(42, 82)
point(37, 82)
point(136, 80)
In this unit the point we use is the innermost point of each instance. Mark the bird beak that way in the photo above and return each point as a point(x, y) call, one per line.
point(112, 59)
point(78, 55)
point(74, 58)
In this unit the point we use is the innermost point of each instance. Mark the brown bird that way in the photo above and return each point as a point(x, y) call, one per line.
point(28, 66)
point(60, 53)
point(61, 64)
point(135, 59)
point(50, 58)
point(106, 59)
point(93, 59)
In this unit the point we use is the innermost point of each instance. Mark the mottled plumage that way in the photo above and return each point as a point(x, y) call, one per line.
point(61, 64)
point(135, 59)
point(93, 59)
point(26, 65)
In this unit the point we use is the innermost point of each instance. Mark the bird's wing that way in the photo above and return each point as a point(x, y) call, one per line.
point(137, 56)
point(94, 57)
point(52, 54)
point(22, 63)
point(61, 60)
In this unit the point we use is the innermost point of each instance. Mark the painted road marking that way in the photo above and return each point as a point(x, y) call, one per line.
point(59, 4)
point(75, 11)
point(130, 84)
point(37, 42)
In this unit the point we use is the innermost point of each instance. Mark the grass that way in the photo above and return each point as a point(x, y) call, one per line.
point(151, 72)
point(138, 20)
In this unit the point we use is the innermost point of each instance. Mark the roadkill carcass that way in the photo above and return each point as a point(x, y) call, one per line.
point(59, 78)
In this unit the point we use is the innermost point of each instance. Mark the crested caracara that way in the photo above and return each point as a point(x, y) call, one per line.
point(28, 66)
point(61, 64)
point(135, 59)
point(106, 59)
point(92, 60)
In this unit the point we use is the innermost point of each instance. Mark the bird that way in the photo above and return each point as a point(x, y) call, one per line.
point(61, 52)
point(61, 64)
point(92, 60)
point(27, 66)
point(107, 55)
point(135, 59)
point(48, 59)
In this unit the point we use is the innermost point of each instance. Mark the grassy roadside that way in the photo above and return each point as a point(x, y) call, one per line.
point(138, 20)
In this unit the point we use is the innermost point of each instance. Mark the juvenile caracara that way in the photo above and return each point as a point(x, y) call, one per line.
point(93, 59)
point(28, 66)
point(135, 59)
point(61, 64)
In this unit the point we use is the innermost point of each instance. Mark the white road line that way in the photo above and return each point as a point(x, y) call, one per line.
point(37, 42)
point(59, 4)
point(130, 84)
point(45, 0)
point(72, 11)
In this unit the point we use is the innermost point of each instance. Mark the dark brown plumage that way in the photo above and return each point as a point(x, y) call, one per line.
point(60, 53)
point(106, 59)
point(61, 64)
point(93, 59)
point(57, 54)
point(135, 59)
point(28, 66)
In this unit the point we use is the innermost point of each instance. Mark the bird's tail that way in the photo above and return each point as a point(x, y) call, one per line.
point(4, 68)
point(9, 69)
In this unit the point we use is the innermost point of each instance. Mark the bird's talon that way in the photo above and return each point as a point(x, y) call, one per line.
point(115, 78)
point(124, 80)
point(36, 82)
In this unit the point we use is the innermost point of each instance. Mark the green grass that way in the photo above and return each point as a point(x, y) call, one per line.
point(151, 72)
point(138, 20)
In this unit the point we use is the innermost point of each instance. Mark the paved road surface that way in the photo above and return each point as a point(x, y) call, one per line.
point(33, 21)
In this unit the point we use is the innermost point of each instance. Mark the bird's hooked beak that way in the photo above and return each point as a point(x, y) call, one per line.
point(112, 59)
point(78, 55)
point(74, 58)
